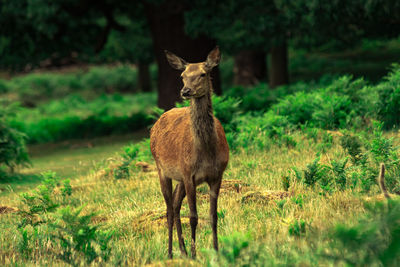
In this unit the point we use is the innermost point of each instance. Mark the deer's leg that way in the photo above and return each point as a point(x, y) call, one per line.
point(190, 188)
point(166, 189)
point(178, 196)
point(214, 193)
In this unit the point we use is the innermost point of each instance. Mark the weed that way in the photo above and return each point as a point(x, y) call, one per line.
point(312, 173)
point(339, 171)
point(79, 237)
point(352, 145)
point(374, 240)
point(298, 200)
point(297, 228)
point(286, 182)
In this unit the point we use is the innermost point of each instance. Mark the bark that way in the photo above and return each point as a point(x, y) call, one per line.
point(167, 28)
point(250, 67)
point(279, 65)
point(144, 80)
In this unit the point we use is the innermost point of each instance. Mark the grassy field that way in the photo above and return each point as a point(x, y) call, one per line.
point(258, 219)
point(69, 159)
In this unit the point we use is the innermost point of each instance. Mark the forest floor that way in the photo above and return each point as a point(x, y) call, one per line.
point(256, 214)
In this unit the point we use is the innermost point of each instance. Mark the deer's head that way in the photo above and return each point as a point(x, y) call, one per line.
point(195, 76)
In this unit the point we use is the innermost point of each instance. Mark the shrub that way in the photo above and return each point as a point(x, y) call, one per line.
point(388, 104)
point(318, 109)
point(352, 145)
point(77, 237)
point(297, 228)
point(131, 154)
point(38, 87)
point(261, 131)
point(374, 240)
point(75, 117)
point(45, 216)
point(338, 168)
point(12, 142)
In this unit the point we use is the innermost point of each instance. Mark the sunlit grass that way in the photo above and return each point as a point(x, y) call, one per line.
point(135, 209)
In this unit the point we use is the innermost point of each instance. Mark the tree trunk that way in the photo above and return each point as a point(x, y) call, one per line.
point(144, 81)
point(250, 67)
point(167, 27)
point(279, 66)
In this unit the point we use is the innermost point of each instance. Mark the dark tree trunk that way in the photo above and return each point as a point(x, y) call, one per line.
point(250, 67)
point(167, 27)
point(278, 74)
point(144, 80)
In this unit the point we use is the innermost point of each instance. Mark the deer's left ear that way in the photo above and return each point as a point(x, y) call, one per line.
point(213, 58)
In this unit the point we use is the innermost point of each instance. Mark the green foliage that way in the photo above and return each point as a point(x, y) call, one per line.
point(318, 109)
point(45, 214)
point(312, 172)
point(13, 151)
point(76, 117)
point(232, 247)
point(286, 182)
point(131, 154)
point(297, 228)
point(389, 98)
point(352, 145)
point(78, 237)
point(35, 88)
point(261, 131)
point(339, 171)
point(37, 203)
point(374, 240)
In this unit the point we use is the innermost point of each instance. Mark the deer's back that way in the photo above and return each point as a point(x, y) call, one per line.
point(172, 146)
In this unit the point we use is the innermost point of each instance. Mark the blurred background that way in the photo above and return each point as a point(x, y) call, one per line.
point(83, 69)
point(308, 93)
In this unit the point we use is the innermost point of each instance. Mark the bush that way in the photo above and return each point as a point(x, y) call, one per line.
point(12, 142)
point(374, 240)
point(388, 104)
point(261, 131)
point(46, 216)
point(38, 87)
point(75, 117)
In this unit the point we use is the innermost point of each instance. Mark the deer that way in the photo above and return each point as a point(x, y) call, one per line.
point(189, 146)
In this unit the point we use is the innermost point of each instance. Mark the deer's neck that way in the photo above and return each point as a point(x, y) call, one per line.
point(201, 113)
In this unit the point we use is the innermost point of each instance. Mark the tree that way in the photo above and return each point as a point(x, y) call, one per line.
point(133, 45)
point(248, 30)
point(166, 21)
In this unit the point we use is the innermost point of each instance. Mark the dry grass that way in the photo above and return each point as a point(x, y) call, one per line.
point(252, 200)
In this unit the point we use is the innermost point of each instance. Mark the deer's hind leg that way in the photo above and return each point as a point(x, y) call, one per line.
point(166, 189)
point(178, 196)
point(190, 188)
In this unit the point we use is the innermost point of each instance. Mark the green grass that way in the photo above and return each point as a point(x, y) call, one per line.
point(69, 159)
point(283, 230)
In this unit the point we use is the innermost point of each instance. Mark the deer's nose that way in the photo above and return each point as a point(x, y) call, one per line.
point(186, 91)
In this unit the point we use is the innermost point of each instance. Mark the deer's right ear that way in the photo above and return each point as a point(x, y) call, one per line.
point(175, 61)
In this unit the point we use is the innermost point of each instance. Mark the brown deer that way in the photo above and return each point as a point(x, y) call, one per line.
point(189, 146)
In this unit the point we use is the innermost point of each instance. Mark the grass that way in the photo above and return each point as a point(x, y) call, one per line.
point(134, 208)
point(69, 159)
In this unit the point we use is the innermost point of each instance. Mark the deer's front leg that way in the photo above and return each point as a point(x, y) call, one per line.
point(214, 193)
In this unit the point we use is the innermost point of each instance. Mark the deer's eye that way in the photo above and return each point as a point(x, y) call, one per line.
point(202, 75)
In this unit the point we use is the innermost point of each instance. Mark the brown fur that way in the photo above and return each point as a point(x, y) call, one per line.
point(189, 146)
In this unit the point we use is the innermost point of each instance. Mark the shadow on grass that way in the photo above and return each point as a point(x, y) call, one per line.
point(16, 182)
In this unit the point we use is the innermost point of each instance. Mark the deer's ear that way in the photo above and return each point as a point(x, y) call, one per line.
point(213, 58)
point(175, 61)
